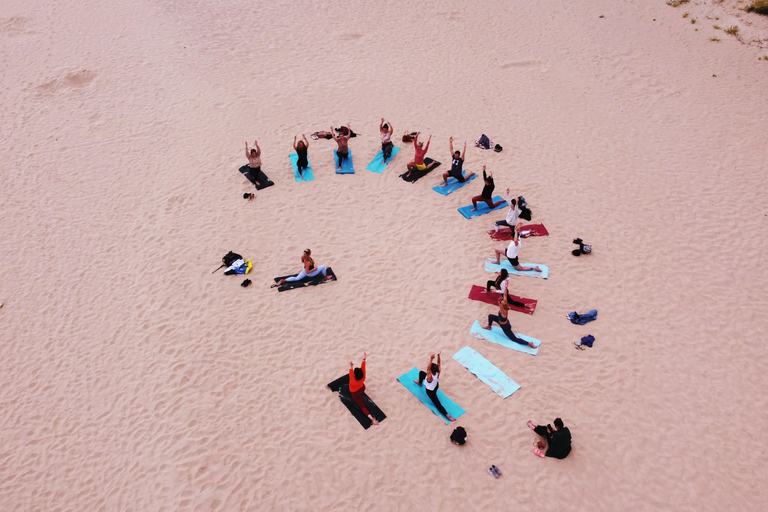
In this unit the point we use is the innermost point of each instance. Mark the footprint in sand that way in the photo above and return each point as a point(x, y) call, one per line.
point(74, 80)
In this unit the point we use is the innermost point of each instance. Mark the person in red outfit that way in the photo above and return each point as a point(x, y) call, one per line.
point(357, 387)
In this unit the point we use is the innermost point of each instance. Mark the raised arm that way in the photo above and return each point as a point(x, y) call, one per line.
point(509, 199)
point(450, 145)
point(258, 149)
point(306, 142)
point(439, 368)
point(333, 134)
point(381, 125)
point(428, 141)
point(294, 143)
point(247, 154)
point(465, 150)
point(416, 139)
point(429, 368)
point(485, 176)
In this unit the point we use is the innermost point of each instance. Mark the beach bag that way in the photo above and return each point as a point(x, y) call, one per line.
point(525, 213)
point(230, 258)
point(483, 142)
point(459, 436)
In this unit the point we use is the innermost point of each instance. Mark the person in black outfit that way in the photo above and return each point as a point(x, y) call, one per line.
point(457, 161)
point(301, 150)
point(558, 439)
point(487, 194)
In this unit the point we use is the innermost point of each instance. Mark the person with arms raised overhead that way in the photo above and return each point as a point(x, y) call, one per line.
point(487, 194)
point(386, 140)
point(457, 162)
point(431, 385)
point(511, 252)
point(301, 151)
point(357, 387)
point(342, 139)
point(418, 158)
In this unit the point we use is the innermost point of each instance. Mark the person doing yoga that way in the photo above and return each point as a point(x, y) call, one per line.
point(487, 194)
point(309, 270)
point(386, 140)
point(511, 251)
point(457, 161)
point(419, 152)
point(431, 385)
point(342, 139)
point(511, 218)
point(503, 322)
point(301, 150)
point(357, 387)
point(254, 161)
point(558, 439)
point(500, 283)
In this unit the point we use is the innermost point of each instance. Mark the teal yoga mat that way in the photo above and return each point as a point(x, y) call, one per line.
point(453, 185)
point(307, 174)
point(346, 165)
point(486, 372)
point(482, 208)
point(419, 392)
point(496, 335)
point(492, 266)
point(376, 165)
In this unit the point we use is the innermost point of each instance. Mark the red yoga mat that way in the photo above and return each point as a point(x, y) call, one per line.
point(506, 233)
point(479, 293)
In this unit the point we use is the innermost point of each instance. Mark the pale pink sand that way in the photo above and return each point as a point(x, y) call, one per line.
point(133, 379)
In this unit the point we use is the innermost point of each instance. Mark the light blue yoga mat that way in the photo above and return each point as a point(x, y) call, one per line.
point(376, 165)
point(486, 372)
point(492, 266)
point(482, 208)
point(307, 174)
point(453, 185)
point(346, 165)
point(420, 392)
point(496, 335)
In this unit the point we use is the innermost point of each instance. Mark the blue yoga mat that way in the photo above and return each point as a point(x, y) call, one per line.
point(492, 266)
point(307, 174)
point(376, 165)
point(482, 208)
point(420, 392)
point(452, 186)
point(486, 372)
point(496, 335)
point(346, 166)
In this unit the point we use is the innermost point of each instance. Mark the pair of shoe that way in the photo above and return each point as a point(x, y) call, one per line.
point(245, 283)
point(493, 470)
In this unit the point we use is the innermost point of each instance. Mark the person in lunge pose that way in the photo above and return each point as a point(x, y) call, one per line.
point(503, 322)
point(301, 150)
point(386, 140)
point(511, 252)
point(431, 385)
point(357, 387)
point(457, 161)
point(486, 195)
point(342, 139)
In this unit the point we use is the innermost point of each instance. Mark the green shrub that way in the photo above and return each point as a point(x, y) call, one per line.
point(759, 6)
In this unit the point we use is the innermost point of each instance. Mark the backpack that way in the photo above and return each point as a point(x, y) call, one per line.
point(230, 258)
point(459, 436)
point(525, 213)
point(483, 142)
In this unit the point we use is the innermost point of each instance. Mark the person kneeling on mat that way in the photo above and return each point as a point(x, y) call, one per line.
point(457, 161)
point(343, 141)
point(486, 195)
point(386, 141)
point(511, 219)
point(431, 385)
point(357, 387)
point(558, 439)
point(503, 321)
point(418, 157)
point(309, 270)
point(511, 251)
point(301, 152)
point(254, 162)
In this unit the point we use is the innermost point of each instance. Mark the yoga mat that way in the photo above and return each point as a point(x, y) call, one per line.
point(420, 392)
point(482, 208)
point(492, 266)
point(506, 233)
point(260, 177)
point(338, 383)
point(307, 281)
point(453, 185)
point(346, 398)
point(496, 335)
point(486, 372)
point(307, 175)
point(493, 298)
point(416, 175)
point(376, 165)
point(346, 165)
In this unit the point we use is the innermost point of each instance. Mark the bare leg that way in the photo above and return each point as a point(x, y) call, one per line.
point(525, 269)
point(499, 253)
point(373, 420)
point(474, 205)
point(466, 178)
point(531, 425)
point(445, 179)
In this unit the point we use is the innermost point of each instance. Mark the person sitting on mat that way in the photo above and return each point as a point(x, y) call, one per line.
point(503, 322)
point(431, 386)
point(386, 140)
point(457, 161)
point(309, 270)
point(487, 194)
point(357, 387)
point(254, 161)
point(558, 439)
point(511, 252)
point(301, 150)
point(419, 152)
point(511, 220)
point(342, 139)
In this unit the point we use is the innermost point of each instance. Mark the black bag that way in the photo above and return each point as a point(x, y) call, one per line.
point(525, 213)
point(459, 435)
point(230, 258)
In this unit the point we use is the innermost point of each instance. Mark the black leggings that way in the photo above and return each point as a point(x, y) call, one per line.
point(433, 394)
point(491, 284)
point(386, 148)
point(506, 328)
point(341, 156)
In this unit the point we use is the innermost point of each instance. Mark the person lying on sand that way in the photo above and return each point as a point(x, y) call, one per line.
point(511, 252)
point(357, 387)
point(457, 161)
point(309, 270)
point(503, 322)
point(486, 195)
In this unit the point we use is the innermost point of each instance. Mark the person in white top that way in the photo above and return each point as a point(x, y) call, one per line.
point(511, 219)
point(511, 251)
point(386, 140)
point(431, 385)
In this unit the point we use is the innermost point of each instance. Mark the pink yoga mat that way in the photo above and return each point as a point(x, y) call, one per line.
point(506, 233)
point(479, 293)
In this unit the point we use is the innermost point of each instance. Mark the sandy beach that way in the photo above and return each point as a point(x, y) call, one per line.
point(134, 379)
